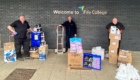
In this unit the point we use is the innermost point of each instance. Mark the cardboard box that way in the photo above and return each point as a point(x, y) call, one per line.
point(35, 54)
point(100, 52)
point(114, 36)
point(75, 60)
point(124, 60)
point(9, 46)
point(125, 53)
point(113, 58)
point(43, 52)
point(9, 52)
point(43, 48)
point(113, 50)
point(43, 55)
point(124, 57)
point(114, 43)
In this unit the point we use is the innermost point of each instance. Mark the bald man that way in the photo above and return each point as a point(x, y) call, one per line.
point(71, 31)
point(20, 37)
point(118, 25)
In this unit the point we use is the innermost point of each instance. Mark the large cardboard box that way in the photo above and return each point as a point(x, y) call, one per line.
point(100, 52)
point(113, 58)
point(114, 36)
point(9, 52)
point(124, 60)
point(114, 43)
point(35, 54)
point(75, 60)
point(43, 48)
point(43, 52)
point(125, 53)
point(124, 57)
point(113, 50)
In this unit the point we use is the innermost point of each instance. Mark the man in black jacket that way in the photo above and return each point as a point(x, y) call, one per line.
point(118, 25)
point(71, 31)
point(20, 37)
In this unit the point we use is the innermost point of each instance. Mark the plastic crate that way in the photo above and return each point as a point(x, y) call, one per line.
point(94, 60)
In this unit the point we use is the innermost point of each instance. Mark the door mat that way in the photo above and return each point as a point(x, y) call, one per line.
point(21, 74)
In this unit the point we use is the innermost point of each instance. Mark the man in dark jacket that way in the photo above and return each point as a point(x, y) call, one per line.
point(20, 37)
point(118, 25)
point(71, 31)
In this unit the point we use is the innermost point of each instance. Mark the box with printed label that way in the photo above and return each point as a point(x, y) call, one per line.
point(114, 43)
point(43, 48)
point(114, 36)
point(35, 54)
point(125, 53)
point(9, 52)
point(113, 58)
point(100, 52)
point(113, 50)
point(124, 57)
point(43, 52)
point(124, 60)
point(75, 60)
point(43, 55)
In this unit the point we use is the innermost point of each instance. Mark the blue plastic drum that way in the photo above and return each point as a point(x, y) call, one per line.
point(36, 36)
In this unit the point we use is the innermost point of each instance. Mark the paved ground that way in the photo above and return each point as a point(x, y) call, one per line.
point(55, 68)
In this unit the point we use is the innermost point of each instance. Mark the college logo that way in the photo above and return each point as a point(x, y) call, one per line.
point(81, 8)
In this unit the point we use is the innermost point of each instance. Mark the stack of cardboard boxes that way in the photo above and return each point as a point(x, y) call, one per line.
point(124, 57)
point(113, 48)
point(41, 52)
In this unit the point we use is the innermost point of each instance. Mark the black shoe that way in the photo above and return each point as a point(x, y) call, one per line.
point(20, 59)
point(30, 58)
point(65, 52)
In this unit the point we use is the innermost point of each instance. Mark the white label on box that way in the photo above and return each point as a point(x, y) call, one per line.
point(112, 51)
point(113, 43)
point(116, 37)
point(123, 56)
point(125, 51)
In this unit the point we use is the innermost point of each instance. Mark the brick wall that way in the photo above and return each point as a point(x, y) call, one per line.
point(91, 27)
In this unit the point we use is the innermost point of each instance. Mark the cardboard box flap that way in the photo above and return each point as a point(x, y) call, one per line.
point(9, 46)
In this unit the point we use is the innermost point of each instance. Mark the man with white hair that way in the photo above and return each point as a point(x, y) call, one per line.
point(118, 25)
point(20, 37)
point(71, 31)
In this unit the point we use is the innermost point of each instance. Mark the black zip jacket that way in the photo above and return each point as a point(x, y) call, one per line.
point(70, 27)
point(118, 25)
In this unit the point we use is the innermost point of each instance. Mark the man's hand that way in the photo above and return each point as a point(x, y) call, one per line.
point(60, 25)
point(15, 33)
point(75, 35)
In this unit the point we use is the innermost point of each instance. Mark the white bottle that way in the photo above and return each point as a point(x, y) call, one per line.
point(118, 31)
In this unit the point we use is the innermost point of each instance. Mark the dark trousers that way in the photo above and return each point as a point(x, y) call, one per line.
point(68, 42)
point(118, 47)
point(22, 42)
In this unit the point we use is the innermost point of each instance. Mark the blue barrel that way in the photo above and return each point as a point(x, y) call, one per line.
point(36, 36)
point(35, 43)
point(36, 39)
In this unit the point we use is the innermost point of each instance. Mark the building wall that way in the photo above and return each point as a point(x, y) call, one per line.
point(90, 27)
